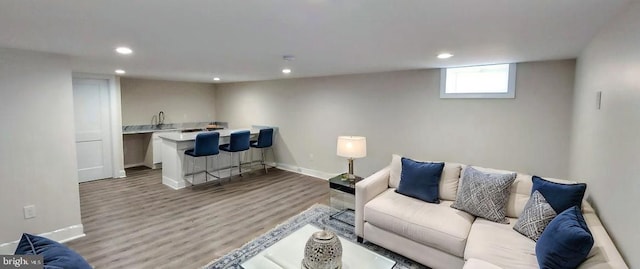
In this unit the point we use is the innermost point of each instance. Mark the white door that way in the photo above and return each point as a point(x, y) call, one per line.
point(93, 139)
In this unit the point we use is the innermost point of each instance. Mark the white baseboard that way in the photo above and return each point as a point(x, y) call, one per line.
point(306, 171)
point(174, 184)
point(61, 235)
point(133, 165)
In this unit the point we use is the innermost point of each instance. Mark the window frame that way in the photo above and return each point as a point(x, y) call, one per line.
point(511, 86)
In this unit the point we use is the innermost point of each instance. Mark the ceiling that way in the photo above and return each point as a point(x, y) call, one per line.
point(195, 40)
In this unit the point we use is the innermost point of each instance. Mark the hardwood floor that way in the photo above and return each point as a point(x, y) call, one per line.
point(136, 222)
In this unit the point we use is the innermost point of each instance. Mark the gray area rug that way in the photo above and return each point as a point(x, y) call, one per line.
point(317, 215)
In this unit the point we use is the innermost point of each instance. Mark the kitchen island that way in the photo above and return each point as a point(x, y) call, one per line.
point(174, 164)
point(143, 147)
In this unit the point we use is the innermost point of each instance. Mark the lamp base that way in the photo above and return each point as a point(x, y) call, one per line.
point(347, 176)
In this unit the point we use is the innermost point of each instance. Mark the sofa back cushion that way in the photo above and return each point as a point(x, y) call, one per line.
point(396, 171)
point(448, 180)
point(520, 193)
point(452, 172)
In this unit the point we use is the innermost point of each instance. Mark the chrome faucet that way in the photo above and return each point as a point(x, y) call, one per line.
point(161, 118)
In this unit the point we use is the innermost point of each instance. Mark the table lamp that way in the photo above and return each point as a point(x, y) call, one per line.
point(352, 147)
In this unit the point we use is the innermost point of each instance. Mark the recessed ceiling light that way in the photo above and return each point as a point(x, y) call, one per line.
point(124, 50)
point(120, 71)
point(216, 78)
point(286, 70)
point(445, 55)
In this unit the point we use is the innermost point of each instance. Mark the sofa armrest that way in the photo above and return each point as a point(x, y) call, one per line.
point(366, 190)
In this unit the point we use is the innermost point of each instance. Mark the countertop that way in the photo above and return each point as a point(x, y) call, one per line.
point(178, 137)
point(169, 127)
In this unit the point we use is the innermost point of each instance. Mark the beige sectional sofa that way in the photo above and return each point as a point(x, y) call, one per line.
point(439, 236)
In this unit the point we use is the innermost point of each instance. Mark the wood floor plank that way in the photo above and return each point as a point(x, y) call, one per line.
point(136, 222)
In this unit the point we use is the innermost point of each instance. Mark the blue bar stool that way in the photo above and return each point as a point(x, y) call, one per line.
point(238, 142)
point(206, 145)
point(265, 141)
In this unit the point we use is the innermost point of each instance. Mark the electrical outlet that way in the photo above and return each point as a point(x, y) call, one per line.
point(311, 157)
point(29, 211)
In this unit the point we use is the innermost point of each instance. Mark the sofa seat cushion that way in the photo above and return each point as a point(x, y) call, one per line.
point(500, 245)
point(435, 225)
point(604, 253)
point(479, 264)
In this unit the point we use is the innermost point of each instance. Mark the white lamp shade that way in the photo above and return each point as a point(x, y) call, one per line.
point(352, 146)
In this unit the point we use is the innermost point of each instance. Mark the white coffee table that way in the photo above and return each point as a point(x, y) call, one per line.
point(289, 251)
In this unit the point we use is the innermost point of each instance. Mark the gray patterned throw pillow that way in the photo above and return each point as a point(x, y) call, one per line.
point(535, 217)
point(484, 194)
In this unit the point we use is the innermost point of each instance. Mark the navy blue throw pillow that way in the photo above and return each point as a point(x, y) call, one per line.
point(420, 180)
point(559, 196)
point(55, 255)
point(566, 241)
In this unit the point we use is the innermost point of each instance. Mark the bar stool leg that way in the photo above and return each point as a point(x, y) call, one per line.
point(193, 171)
point(230, 166)
point(239, 163)
point(264, 166)
point(206, 168)
point(251, 159)
point(218, 169)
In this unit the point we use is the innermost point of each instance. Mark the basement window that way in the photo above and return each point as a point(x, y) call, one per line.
point(483, 81)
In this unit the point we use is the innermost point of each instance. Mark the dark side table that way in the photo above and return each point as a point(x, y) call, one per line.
point(343, 196)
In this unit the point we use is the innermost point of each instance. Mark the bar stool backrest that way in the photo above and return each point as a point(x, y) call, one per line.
point(239, 141)
point(265, 138)
point(206, 144)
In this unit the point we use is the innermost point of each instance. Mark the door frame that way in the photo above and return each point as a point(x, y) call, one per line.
point(115, 121)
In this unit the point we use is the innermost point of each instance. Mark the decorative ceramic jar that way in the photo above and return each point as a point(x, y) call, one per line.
point(323, 251)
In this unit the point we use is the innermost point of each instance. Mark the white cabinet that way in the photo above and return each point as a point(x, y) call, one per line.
point(156, 143)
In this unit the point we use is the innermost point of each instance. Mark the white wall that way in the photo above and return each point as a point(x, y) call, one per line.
point(401, 112)
point(606, 142)
point(37, 148)
point(180, 101)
